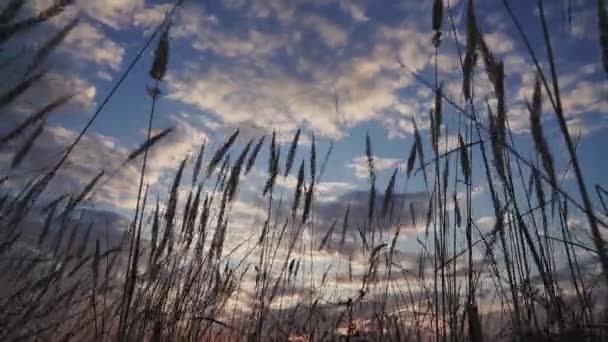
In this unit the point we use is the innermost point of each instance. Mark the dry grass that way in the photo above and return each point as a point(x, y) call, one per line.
point(176, 273)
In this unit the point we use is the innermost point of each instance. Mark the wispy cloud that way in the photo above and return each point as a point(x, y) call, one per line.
point(89, 43)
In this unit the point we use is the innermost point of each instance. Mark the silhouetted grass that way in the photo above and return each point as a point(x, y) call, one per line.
point(522, 280)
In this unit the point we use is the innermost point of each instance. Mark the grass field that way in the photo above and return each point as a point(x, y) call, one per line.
point(172, 268)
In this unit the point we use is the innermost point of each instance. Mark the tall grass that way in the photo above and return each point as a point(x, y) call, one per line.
point(177, 273)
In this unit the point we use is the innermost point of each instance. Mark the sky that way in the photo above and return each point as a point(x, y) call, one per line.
point(333, 68)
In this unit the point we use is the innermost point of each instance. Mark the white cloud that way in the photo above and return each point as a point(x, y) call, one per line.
point(57, 84)
point(486, 222)
point(252, 87)
point(359, 165)
point(96, 152)
point(499, 43)
point(585, 97)
point(163, 158)
point(408, 45)
point(355, 9)
point(238, 96)
point(331, 191)
point(89, 43)
point(114, 13)
point(104, 75)
point(151, 16)
point(583, 22)
point(583, 100)
point(333, 35)
point(578, 125)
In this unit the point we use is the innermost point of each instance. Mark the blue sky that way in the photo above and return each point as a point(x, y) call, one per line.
point(326, 66)
point(329, 67)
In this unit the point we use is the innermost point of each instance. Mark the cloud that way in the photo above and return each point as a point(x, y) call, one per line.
point(583, 101)
point(360, 167)
point(355, 8)
point(57, 84)
point(114, 13)
point(281, 80)
point(151, 15)
point(499, 43)
point(332, 35)
point(275, 99)
point(96, 152)
point(163, 159)
point(89, 43)
point(80, 168)
point(331, 191)
point(204, 32)
point(579, 126)
point(329, 207)
point(585, 97)
point(333, 211)
point(238, 96)
point(486, 222)
point(583, 22)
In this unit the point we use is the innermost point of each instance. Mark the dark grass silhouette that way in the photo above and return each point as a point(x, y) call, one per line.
point(67, 279)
